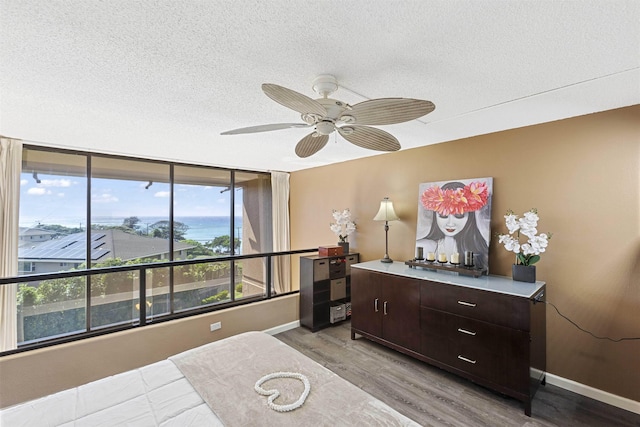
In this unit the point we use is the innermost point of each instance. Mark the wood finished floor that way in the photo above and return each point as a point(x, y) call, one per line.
point(433, 397)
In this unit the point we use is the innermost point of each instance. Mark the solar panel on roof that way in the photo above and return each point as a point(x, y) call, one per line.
point(97, 249)
point(71, 247)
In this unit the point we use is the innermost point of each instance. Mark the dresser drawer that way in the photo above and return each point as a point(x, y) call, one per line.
point(472, 333)
point(492, 353)
point(492, 307)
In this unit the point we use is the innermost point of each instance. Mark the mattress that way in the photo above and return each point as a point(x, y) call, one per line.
point(211, 385)
point(154, 395)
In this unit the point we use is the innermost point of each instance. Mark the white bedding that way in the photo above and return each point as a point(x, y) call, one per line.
point(160, 395)
point(154, 395)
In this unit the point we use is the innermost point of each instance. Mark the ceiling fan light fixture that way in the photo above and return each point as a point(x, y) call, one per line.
point(325, 128)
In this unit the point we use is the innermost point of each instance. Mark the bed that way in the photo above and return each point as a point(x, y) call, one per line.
point(213, 385)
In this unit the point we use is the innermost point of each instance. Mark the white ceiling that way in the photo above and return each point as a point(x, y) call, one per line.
point(162, 79)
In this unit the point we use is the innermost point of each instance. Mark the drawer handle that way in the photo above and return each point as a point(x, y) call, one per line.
point(468, 304)
point(385, 308)
point(473, 362)
point(464, 331)
point(375, 305)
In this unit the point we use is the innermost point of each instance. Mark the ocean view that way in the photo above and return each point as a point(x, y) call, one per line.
point(201, 228)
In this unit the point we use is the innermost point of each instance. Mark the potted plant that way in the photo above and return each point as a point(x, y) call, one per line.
point(343, 227)
point(527, 253)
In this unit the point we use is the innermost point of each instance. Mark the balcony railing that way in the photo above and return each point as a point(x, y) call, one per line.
point(71, 305)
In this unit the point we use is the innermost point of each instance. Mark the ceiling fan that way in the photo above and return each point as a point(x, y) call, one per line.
point(327, 115)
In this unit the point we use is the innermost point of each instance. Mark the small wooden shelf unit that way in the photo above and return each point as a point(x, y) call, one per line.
point(325, 289)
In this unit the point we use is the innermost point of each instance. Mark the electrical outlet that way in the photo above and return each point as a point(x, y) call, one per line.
point(215, 326)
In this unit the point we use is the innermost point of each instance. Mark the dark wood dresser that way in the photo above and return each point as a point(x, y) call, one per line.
point(490, 330)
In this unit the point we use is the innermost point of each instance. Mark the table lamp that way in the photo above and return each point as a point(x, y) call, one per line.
point(386, 214)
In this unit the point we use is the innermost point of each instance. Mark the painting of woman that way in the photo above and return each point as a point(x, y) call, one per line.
point(454, 217)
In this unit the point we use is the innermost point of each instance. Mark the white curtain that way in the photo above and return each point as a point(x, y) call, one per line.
point(10, 169)
point(280, 213)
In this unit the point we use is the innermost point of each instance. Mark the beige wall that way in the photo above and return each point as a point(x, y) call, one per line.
point(40, 372)
point(582, 174)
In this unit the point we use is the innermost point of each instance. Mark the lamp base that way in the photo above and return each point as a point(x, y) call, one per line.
point(386, 259)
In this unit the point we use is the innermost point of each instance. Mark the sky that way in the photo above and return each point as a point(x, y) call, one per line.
point(61, 199)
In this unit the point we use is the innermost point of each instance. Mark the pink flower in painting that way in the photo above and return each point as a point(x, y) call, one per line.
point(456, 201)
point(432, 198)
point(476, 194)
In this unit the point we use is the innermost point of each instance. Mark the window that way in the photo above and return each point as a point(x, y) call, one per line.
point(53, 209)
point(252, 199)
point(202, 213)
point(138, 212)
point(26, 267)
point(202, 209)
point(130, 207)
point(51, 309)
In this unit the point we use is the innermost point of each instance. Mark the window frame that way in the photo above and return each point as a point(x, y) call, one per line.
point(91, 270)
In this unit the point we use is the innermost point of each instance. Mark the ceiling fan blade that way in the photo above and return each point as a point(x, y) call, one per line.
point(294, 100)
point(387, 111)
point(311, 144)
point(265, 128)
point(370, 138)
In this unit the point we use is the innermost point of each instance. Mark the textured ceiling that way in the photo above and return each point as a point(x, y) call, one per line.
point(162, 79)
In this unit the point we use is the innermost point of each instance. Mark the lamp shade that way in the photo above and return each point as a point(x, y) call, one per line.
point(386, 212)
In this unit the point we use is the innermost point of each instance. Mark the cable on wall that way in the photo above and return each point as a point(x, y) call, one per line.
point(589, 332)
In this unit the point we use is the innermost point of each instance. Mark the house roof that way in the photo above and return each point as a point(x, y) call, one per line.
point(163, 79)
point(105, 244)
point(28, 231)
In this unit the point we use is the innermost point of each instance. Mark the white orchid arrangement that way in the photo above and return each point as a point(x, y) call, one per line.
point(526, 253)
point(343, 225)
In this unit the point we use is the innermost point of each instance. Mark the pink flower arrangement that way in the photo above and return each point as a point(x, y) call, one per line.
point(455, 201)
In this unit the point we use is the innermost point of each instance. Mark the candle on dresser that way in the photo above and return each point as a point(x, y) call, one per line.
point(431, 256)
point(419, 253)
point(468, 258)
point(442, 257)
point(455, 258)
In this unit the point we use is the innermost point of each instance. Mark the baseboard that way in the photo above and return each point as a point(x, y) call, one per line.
point(594, 393)
point(282, 328)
